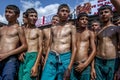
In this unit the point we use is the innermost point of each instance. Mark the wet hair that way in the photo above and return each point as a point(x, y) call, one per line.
point(105, 7)
point(14, 8)
point(81, 15)
point(63, 6)
point(30, 10)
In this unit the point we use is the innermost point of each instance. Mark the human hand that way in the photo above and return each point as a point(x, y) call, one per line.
point(21, 57)
point(3, 56)
point(34, 71)
point(67, 75)
point(80, 67)
point(93, 74)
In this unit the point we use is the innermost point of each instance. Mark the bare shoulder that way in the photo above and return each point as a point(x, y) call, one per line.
point(19, 29)
point(38, 30)
point(55, 26)
point(71, 26)
point(46, 29)
point(91, 33)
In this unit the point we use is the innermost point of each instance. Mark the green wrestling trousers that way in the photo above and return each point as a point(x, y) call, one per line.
point(26, 66)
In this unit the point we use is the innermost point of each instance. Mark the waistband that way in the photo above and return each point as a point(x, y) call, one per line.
point(60, 57)
point(98, 58)
point(31, 52)
point(59, 54)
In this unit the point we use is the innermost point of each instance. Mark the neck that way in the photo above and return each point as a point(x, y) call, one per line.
point(31, 26)
point(62, 22)
point(81, 29)
point(107, 24)
point(12, 23)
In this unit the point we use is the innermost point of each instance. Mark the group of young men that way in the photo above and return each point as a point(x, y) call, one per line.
point(71, 52)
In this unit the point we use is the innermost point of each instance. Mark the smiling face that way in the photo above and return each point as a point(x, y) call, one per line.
point(55, 20)
point(32, 18)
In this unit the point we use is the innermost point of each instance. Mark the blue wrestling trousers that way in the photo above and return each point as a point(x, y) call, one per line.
point(56, 65)
point(8, 68)
point(105, 68)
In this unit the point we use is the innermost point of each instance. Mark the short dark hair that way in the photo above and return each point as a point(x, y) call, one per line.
point(81, 15)
point(63, 6)
point(55, 16)
point(95, 21)
point(14, 8)
point(24, 13)
point(105, 7)
point(30, 10)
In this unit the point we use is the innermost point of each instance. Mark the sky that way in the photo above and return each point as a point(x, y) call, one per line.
point(43, 7)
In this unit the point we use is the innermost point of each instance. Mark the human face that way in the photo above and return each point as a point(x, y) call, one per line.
point(32, 18)
point(55, 20)
point(10, 15)
point(105, 15)
point(83, 21)
point(63, 13)
point(95, 25)
point(25, 21)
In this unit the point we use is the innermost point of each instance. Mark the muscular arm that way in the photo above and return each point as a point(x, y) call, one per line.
point(116, 3)
point(48, 36)
point(73, 47)
point(23, 46)
point(47, 33)
point(39, 48)
point(34, 70)
point(93, 47)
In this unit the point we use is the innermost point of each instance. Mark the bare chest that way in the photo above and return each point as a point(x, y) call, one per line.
point(61, 31)
point(31, 34)
point(8, 32)
point(84, 36)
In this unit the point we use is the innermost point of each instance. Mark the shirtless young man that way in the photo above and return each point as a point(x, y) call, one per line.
point(108, 37)
point(47, 32)
point(29, 68)
point(85, 39)
point(116, 4)
point(11, 36)
point(60, 58)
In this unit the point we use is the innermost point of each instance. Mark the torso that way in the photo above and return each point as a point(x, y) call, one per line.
point(83, 40)
point(32, 38)
point(61, 38)
point(107, 43)
point(9, 38)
